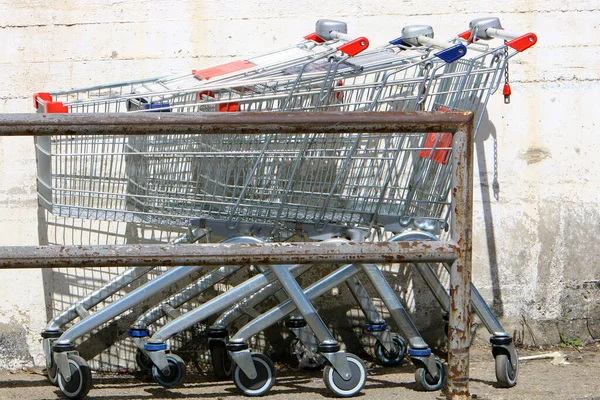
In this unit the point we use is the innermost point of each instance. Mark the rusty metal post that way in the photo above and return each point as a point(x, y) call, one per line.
point(459, 339)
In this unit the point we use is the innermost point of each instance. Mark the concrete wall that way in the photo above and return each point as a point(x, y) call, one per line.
point(533, 253)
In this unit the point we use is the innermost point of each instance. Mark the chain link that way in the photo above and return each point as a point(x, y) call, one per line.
point(506, 65)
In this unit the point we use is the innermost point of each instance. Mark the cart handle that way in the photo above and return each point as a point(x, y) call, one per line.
point(422, 35)
point(489, 27)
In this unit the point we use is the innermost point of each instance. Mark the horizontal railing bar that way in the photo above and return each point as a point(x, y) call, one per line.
point(225, 254)
point(38, 124)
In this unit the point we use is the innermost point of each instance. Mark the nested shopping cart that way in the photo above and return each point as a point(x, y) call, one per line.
point(355, 197)
point(100, 206)
point(467, 84)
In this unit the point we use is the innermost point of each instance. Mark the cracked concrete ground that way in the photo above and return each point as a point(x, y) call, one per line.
point(578, 378)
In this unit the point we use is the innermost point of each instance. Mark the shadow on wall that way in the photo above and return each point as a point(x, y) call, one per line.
point(487, 131)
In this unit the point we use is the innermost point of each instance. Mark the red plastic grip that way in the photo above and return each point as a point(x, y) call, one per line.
point(522, 43)
point(49, 105)
point(443, 139)
point(355, 46)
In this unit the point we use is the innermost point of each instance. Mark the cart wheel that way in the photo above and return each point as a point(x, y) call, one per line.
point(177, 368)
point(425, 381)
point(341, 387)
point(393, 358)
point(81, 379)
point(220, 359)
point(143, 362)
point(52, 372)
point(506, 375)
point(264, 380)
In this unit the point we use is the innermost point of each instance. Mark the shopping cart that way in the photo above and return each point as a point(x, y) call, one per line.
point(424, 184)
point(340, 215)
point(55, 188)
point(100, 208)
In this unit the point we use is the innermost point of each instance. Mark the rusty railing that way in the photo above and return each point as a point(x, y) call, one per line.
point(456, 251)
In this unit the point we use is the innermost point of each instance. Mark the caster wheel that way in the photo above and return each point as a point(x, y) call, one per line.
point(425, 381)
point(143, 362)
point(177, 368)
point(81, 379)
point(506, 375)
point(393, 358)
point(341, 387)
point(264, 380)
point(220, 360)
point(52, 372)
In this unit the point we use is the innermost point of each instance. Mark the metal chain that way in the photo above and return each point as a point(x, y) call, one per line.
point(506, 67)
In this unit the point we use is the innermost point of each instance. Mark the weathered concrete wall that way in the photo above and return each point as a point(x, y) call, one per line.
point(534, 258)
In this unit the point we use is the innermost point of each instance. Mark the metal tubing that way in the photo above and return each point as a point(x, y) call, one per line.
point(125, 303)
point(460, 270)
point(226, 123)
point(238, 310)
point(190, 292)
point(225, 254)
point(364, 301)
point(279, 312)
point(194, 289)
point(98, 296)
point(397, 311)
point(295, 293)
point(215, 305)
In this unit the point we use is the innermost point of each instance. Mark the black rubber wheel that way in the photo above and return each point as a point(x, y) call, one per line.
point(220, 360)
point(425, 381)
point(52, 372)
point(393, 358)
point(506, 375)
point(143, 362)
point(265, 378)
point(81, 379)
point(177, 368)
point(342, 388)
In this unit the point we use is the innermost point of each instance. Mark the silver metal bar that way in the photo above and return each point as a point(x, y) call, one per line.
point(97, 297)
point(294, 291)
point(215, 305)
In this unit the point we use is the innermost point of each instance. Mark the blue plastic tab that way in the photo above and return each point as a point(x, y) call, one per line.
point(397, 41)
point(138, 332)
point(376, 327)
point(155, 346)
point(419, 352)
point(452, 53)
point(158, 107)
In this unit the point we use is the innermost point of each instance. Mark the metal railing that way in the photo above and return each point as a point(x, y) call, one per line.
point(456, 251)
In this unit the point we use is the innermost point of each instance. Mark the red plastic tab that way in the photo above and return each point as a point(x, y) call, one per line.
point(228, 107)
point(313, 36)
point(522, 43)
point(442, 139)
point(355, 46)
point(466, 35)
point(49, 105)
point(340, 95)
point(506, 90)
point(222, 69)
